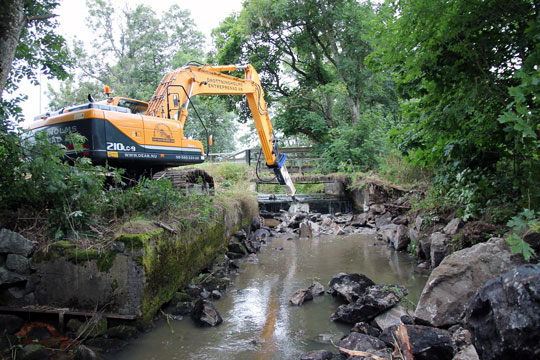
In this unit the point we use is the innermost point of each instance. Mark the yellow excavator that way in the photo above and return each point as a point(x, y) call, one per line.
point(149, 137)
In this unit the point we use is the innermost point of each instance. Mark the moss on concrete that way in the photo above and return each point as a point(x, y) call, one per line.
point(171, 261)
point(138, 241)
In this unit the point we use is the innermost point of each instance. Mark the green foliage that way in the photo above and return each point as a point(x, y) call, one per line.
point(395, 168)
point(68, 187)
point(351, 148)
point(459, 67)
point(523, 224)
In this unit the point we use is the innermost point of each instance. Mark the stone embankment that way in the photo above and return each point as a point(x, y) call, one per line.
point(142, 270)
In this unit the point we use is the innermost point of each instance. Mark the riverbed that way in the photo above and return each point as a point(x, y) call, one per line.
point(259, 322)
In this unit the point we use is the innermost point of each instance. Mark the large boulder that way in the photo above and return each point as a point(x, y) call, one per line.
point(376, 300)
point(205, 314)
point(504, 317)
point(14, 243)
point(349, 286)
point(427, 343)
point(396, 235)
point(452, 285)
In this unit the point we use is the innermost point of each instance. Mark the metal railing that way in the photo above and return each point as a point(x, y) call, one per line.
point(299, 159)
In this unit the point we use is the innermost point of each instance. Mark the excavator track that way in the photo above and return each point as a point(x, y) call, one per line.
point(189, 180)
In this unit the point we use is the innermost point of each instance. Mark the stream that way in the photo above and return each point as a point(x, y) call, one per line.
point(259, 322)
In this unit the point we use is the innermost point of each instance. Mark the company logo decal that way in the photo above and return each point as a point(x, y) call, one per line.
point(162, 133)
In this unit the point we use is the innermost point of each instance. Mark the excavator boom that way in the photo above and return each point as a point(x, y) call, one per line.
point(172, 97)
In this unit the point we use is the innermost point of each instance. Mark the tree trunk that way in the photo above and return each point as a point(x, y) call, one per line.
point(12, 22)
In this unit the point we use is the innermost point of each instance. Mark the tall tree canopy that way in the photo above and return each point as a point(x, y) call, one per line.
point(468, 75)
point(132, 50)
point(311, 56)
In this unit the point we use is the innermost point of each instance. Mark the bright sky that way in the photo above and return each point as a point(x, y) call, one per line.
point(207, 15)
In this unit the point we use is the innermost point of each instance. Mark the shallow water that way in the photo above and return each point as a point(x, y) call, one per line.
point(259, 322)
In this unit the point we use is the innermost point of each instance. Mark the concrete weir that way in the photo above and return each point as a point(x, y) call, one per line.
point(321, 203)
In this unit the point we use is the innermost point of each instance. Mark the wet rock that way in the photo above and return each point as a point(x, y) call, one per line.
point(407, 320)
point(439, 248)
point(460, 336)
point(365, 328)
point(18, 263)
point(468, 352)
point(452, 285)
point(377, 209)
point(215, 295)
point(106, 345)
point(424, 248)
point(85, 353)
point(401, 220)
point(396, 235)
point(361, 342)
point(296, 208)
point(205, 314)
point(360, 220)
point(384, 219)
point(317, 355)
point(427, 343)
point(374, 301)
point(234, 256)
point(272, 223)
point(10, 324)
point(504, 316)
point(327, 221)
point(316, 289)
point(343, 219)
point(124, 332)
point(179, 308)
point(216, 283)
point(9, 277)
point(325, 338)
point(252, 258)
point(14, 243)
point(35, 352)
point(300, 296)
point(305, 230)
point(418, 223)
point(391, 317)
point(262, 235)
point(349, 286)
point(205, 294)
point(453, 226)
point(235, 246)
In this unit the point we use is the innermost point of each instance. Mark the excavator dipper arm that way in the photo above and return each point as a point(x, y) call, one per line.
point(172, 97)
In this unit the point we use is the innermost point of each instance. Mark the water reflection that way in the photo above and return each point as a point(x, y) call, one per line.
point(259, 322)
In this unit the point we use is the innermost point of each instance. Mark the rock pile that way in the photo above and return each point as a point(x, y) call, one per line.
point(16, 283)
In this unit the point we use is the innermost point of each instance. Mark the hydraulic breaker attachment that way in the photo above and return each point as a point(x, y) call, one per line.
point(282, 175)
